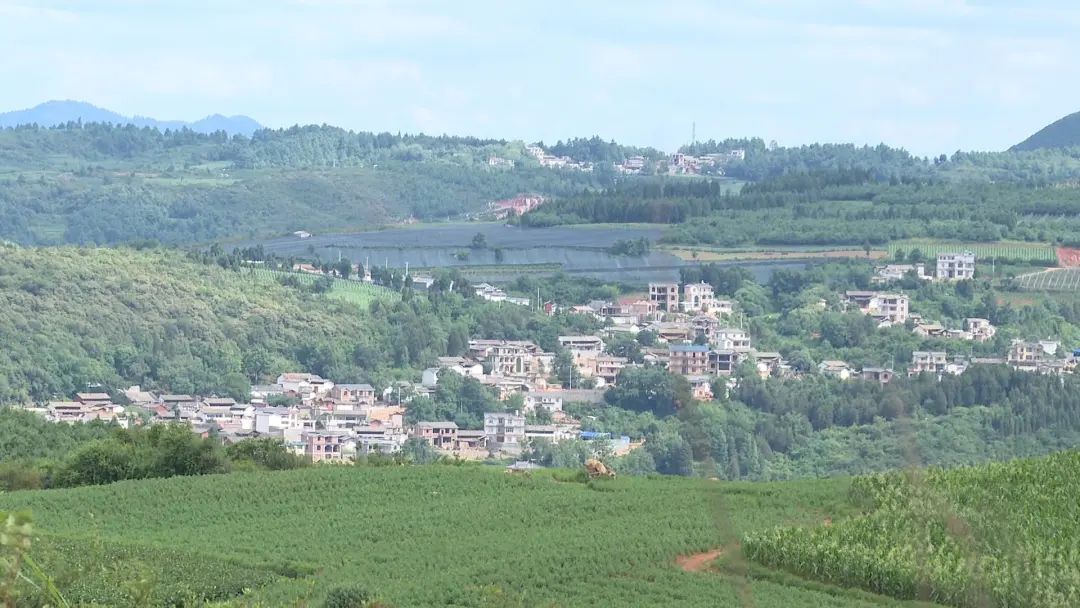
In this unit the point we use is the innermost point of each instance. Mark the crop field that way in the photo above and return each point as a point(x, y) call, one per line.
point(346, 290)
point(715, 254)
point(1017, 251)
point(1054, 279)
point(997, 535)
point(428, 536)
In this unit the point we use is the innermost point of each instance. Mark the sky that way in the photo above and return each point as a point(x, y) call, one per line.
point(931, 76)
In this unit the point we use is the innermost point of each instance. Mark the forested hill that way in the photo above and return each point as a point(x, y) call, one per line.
point(103, 184)
point(1062, 133)
point(74, 317)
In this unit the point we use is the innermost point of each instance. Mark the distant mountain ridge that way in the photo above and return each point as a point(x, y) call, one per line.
point(53, 113)
point(1062, 133)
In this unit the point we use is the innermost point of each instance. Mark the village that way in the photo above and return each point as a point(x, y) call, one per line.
point(694, 334)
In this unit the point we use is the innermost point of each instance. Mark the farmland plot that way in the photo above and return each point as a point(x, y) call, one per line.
point(1054, 279)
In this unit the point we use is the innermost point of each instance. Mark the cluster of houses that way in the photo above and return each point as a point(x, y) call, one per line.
point(491, 293)
point(328, 421)
point(556, 162)
point(890, 309)
point(1038, 356)
point(958, 266)
point(683, 164)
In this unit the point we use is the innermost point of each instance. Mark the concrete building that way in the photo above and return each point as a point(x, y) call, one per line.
point(688, 359)
point(665, 295)
point(504, 430)
point(933, 362)
point(698, 297)
point(955, 266)
point(980, 329)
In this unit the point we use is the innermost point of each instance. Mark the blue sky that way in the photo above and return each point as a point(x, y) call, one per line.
point(929, 75)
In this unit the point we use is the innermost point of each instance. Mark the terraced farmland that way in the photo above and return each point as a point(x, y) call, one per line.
point(1054, 279)
point(1021, 252)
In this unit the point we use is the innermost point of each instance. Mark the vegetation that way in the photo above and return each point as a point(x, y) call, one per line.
point(538, 538)
point(94, 454)
point(927, 250)
point(104, 184)
point(995, 535)
point(188, 324)
point(850, 207)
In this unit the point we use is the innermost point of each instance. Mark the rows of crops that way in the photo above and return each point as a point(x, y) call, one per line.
point(450, 536)
point(1057, 279)
point(347, 290)
point(1021, 252)
point(998, 535)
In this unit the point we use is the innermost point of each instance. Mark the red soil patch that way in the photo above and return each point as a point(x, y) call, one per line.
point(698, 561)
point(1068, 257)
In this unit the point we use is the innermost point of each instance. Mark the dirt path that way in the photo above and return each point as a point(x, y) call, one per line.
point(697, 561)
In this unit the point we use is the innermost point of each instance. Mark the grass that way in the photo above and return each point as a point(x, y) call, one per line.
point(454, 536)
point(345, 290)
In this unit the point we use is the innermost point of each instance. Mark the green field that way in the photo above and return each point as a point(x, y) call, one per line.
point(429, 536)
point(1055, 279)
point(346, 290)
point(1010, 250)
point(997, 535)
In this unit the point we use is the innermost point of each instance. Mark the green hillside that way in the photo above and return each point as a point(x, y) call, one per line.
point(73, 317)
point(428, 536)
point(1062, 133)
point(78, 316)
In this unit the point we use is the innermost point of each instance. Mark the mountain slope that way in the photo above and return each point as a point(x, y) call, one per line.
point(53, 113)
point(1062, 133)
point(78, 316)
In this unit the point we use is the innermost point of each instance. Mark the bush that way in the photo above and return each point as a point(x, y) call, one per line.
point(349, 596)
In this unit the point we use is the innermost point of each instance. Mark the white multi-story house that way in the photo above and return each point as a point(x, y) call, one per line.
point(504, 430)
point(955, 266)
point(590, 344)
point(933, 362)
point(665, 296)
point(698, 297)
point(981, 330)
point(730, 338)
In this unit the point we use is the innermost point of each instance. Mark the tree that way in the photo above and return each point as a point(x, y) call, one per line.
point(344, 268)
point(499, 255)
point(647, 337)
point(419, 451)
point(649, 389)
point(479, 241)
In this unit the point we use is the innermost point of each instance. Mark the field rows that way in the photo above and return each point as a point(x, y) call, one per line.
point(1035, 252)
point(1056, 279)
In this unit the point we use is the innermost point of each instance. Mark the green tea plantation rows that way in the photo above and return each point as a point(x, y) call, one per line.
point(436, 536)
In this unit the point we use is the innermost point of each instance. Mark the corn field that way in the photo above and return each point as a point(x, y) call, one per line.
point(1000, 535)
